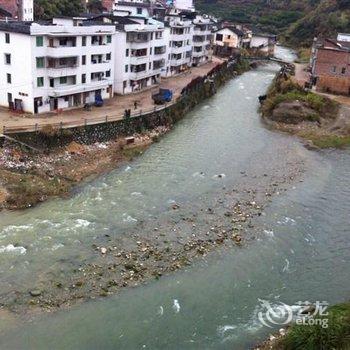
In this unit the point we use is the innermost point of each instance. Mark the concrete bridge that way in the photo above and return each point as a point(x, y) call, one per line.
point(272, 59)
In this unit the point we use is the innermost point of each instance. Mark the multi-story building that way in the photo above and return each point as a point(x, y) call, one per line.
point(202, 40)
point(61, 64)
point(179, 38)
point(140, 52)
point(330, 64)
point(132, 8)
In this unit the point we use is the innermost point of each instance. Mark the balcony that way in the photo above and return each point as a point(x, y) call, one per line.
point(65, 90)
point(198, 53)
point(160, 50)
point(180, 61)
point(158, 64)
point(132, 37)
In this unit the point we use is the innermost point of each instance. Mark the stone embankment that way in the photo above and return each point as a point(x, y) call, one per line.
point(27, 177)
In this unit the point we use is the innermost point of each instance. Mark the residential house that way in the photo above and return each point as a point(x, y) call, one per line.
point(227, 41)
point(51, 66)
point(330, 65)
point(264, 43)
point(202, 40)
point(178, 32)
point(140, 52)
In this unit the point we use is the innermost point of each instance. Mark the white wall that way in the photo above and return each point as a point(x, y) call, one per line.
point(343, 37)
point(27, 10)
point(20, 70)
point(24, 71)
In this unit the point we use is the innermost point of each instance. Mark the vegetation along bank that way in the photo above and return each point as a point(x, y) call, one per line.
point(68, 157)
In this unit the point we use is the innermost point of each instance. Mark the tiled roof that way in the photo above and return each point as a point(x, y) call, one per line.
point(15, 27)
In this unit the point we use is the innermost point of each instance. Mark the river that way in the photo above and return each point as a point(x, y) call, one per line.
point(301, 251)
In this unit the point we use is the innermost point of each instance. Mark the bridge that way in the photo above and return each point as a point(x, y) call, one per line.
point(272, 59)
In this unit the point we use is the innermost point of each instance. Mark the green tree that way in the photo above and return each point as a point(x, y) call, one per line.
point(45, 9)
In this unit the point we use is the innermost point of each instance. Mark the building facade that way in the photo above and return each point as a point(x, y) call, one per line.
point(202, 40)
point(51, 67)
point(264, 43)
point(330, 65)
point(227, 41)
point(179, 38)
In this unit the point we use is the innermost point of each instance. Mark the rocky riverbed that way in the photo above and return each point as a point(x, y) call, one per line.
point(164, 244)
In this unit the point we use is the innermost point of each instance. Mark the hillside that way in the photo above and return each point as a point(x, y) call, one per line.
point(297, 20)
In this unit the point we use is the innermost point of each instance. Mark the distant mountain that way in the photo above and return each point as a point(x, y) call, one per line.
point(297, 20)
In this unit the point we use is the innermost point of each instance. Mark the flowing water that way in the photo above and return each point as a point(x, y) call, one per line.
point(302, 252)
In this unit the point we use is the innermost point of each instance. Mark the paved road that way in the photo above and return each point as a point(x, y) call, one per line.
point(113, 109)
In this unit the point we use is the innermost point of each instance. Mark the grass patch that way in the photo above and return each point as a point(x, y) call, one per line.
point(327, 141)
point(336, 336)
point(285, 90)
point(304, 55)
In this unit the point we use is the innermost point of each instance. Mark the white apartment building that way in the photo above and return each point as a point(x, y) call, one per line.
point(26, 10)
point(179, 38)
point(132, 8)
point(53, 66)
point(202, 40)
point(140, 52)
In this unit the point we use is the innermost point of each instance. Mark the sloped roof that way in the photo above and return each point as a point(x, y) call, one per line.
point(232, 29)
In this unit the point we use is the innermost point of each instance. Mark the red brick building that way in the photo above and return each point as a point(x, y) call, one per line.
point(331, 66)
point(8, 8)
point(108, 5)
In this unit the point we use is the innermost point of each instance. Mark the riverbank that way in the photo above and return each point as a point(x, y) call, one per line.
point(28, 178)
point(335, 336)
point(184, 233)
point(320, 121)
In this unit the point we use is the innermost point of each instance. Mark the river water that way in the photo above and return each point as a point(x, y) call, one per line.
point(302, 252)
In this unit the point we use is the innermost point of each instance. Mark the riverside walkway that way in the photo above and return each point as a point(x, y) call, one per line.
point(113, 110)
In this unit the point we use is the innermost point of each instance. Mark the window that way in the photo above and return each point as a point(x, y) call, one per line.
point(108, 56)
point(83, 78)
point(126, 68)
point(150, 51)
point(139, 10)
point(219, 37)
point(109, 39)
point(343, 70)
point(39, 41)
point(7, 58)
point(83, 60)
point(334, 69)
point(40, 62)
point(108, 73)
point(63, 80)
point(7, 38)
point(8, 78)
point(127, 53)
point(40, 81)
point(83, 41)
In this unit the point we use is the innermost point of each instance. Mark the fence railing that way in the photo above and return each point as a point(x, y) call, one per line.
point(85, 121)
